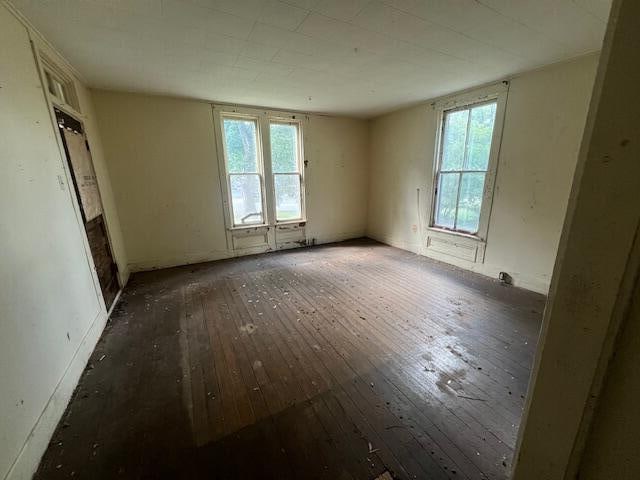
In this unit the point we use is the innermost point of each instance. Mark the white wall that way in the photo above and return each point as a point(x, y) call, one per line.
point(581, 418)
point(544, 121)
point(161, 154)
point(51, 309)
point(612, 445)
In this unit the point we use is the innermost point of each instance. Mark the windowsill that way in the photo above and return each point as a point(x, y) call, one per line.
point(456, 234)
point(300, 223)
point(248, 227)
point(258, 226)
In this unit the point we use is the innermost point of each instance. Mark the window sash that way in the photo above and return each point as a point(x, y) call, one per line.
point(294, 198)
point(235, 208)
point(256, 129)
point(299, 172)
point(299, 199)
point(459, 173)
point(259, 173)
point(297, 148)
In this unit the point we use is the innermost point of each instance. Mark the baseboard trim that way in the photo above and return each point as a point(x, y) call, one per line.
point(115, 302)
point(521, 280)
point(27, 461)
point(149, 265)
point(339, 237)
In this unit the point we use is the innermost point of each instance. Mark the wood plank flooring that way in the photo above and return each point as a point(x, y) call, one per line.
point(347, 361)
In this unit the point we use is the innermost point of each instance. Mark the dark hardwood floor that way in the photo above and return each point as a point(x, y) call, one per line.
point(342, 361)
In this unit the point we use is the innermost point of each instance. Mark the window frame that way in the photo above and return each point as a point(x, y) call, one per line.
point(59, 87)
point(263, 119)
point(260, 168)
point(494, 93)
point(300, 163)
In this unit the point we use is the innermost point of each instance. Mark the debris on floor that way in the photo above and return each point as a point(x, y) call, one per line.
point(384, 476)
point(248, 328)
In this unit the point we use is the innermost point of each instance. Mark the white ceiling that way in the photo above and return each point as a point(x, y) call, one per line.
point(355, 57)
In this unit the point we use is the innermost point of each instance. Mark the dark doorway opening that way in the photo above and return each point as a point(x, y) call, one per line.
point(87, 192)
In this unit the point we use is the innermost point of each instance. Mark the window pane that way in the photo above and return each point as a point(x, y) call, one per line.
point(287, 189)
point(480, 134)
point(246, 199)
point(240, 139)
point(455, 133)
point(471, 189)
point(446, 200)
point(284, 148)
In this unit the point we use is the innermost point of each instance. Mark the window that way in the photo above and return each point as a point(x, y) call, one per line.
point(58, 84)
point(285, 163)
point(464, 161)
point(56, 87)
point(244, 171)
point(265, 187)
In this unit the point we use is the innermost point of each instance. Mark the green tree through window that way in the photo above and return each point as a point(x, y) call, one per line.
point(286, 172)
point(244, 168)
point(464, 159)
point(241, 148)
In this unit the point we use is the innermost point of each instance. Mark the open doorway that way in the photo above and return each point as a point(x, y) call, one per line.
point(87, 192)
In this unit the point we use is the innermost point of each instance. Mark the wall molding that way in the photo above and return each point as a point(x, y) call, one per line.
point(182, 260)
point(537, 284)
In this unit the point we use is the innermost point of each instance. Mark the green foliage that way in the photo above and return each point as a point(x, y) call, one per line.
point(287, 189)
point(240, 139)
point(284, 145)
point(455, 134)
point(480, 134)
point(241, 150)
point(479, 121)
point(283, 148)
point(460, 194)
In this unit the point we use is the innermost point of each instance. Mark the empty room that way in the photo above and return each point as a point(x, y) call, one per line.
point(319, 239)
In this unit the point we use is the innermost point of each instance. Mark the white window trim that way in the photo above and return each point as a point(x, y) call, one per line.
point(260, 170)
point(69, 98)
point(263, 119)
point(496, 92)
point(291, 120)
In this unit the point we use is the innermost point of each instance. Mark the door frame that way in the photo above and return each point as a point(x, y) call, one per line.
point(80, 129)
point(52, 103)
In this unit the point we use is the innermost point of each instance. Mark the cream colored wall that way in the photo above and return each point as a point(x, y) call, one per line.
point(336, 178)
point(51, 309)
point(111, 214)
point(586, 368)
point(612, 445)
point(161, 154)
point(544, 120)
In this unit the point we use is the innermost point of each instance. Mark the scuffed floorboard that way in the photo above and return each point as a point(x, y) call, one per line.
point(347, 361)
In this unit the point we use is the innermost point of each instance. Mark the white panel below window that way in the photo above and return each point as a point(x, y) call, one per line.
point(461, 247)
point(290, 236)
point(251, 239)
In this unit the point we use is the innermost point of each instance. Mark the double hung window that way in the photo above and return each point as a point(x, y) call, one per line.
point(287, 175)
point(265, 185)
point(463, 164)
